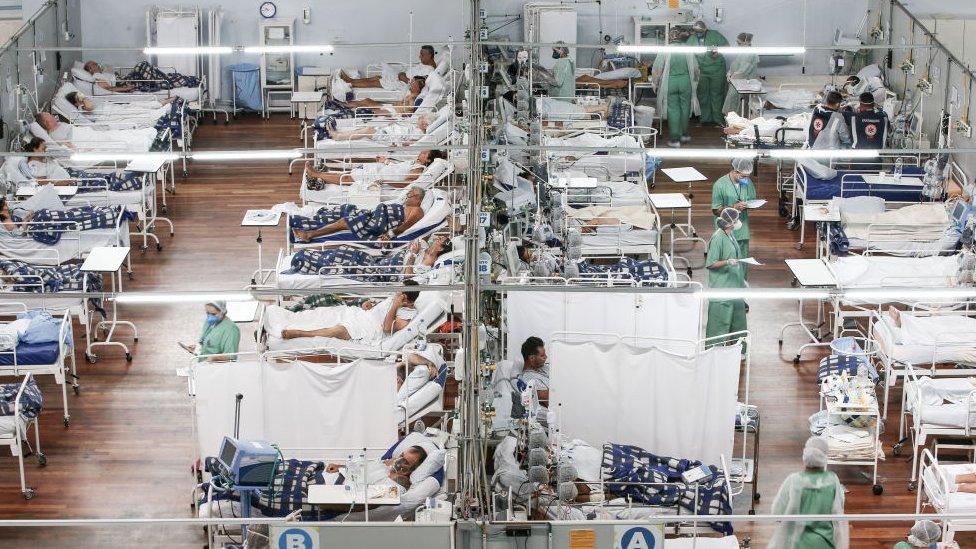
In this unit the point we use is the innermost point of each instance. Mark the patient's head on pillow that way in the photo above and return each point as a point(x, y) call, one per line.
point(417, 84)
point(426, 157)
point(36, 144)
point(415, 197)
point(427, 54)
point(46, 120)
point(411, 295)
point(92, 67)
point(409, 460)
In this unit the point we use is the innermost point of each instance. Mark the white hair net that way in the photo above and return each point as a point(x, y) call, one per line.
point(924, 533)
point(729, 218)
point(743, 165)
point(815, 453)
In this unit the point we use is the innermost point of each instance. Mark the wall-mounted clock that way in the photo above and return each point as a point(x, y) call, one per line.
point(268, 10)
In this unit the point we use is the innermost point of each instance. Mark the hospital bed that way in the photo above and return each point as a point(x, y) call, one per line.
point(767, 133)
point(815, 184)
point(74, 244)
point(361, 188)
point(339, 89)
point(432, 310)
point(437, 207)
point(937, 490)
point(636, 231)
point(446, 270)
point(20, 406)
point(85, 82)
point(43, 357)
point(876, 226)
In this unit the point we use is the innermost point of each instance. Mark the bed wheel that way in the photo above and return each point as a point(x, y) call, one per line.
point(159, 247)
point(76, 389)
point(164, 209)
point(136, 339)
point(91, 358)
point(41, 460)
point(689, 272)
point(911, 486)
point(28, 493)
point(896, 450)
point(877, 489)
point(756, 497)
point(67, 421)
point(142, 249)
point(791, 225)
point(186, 173)
point(796, 360)
point(132, 275)
point(783, 212)
point(128, 357)
point(752, 511)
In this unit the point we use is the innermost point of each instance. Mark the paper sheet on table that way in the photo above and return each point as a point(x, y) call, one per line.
point(758, 203)
point(684, 175)
point(750, 261)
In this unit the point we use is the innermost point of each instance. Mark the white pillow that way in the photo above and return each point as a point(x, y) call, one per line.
point(37, 131)
point(64, 106)
point(427, 313)
point(82, 75)
point(427, 201)
point(434, 462)
point(434, 171)
point(860, 204)
point(46, 198)
point(818, 170)
point(443, 63)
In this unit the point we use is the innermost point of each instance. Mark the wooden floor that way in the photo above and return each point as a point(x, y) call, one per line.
point(128, 451)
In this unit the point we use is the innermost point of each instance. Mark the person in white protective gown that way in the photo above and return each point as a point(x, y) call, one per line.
point(743, 67)
point(366, 323)
point(676, 79)
point(813, 491)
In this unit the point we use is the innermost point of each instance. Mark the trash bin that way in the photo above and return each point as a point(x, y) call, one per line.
point(644, 116)
point(247, 86)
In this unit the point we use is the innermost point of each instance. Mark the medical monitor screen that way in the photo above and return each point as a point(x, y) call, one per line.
point(227, 452)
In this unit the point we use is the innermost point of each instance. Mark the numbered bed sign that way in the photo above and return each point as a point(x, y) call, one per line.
point(649, 536)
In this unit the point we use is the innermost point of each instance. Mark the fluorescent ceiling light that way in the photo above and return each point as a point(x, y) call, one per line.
point(164, 298)
point(760, 293)
point(121, 155)
point(246, 155)
point(725, 50)
point(311, 48)
point(762, 50)
point(200, 50)
point(815, 154)
point(703, 153)
point(913, 294)
point(624, 48)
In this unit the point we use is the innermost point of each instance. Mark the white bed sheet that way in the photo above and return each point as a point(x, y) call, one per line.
point(68, 248)
point(629, 238)
point(7, 426)
point(913, 343)
point(877, 271)
point(956, 502)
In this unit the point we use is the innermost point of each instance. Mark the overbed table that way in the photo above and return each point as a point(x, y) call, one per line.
point(809, 273)
point(107, 260)
point(261, 219)
point(687, 233)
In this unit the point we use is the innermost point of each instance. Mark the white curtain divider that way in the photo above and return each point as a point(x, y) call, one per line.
point(541, 314)
point(298, 405)
point(671, 404)
point(178, 30)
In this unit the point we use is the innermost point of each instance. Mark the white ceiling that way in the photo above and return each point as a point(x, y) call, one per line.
point(942, 8)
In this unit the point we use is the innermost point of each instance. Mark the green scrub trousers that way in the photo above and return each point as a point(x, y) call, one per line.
point(223, 338)
point(817, 535)
point(712, 79)
point(725, 316)
point(679, 97)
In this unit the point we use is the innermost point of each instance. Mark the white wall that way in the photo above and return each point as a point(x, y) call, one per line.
point(773, 22)
point(362, 21)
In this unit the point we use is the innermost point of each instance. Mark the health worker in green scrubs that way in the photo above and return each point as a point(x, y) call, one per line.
point(735, 190)
point(924, 533)
point(674, 76)
point(713, 79)
point(564, 73)
point(725, 316)
point(220, 338)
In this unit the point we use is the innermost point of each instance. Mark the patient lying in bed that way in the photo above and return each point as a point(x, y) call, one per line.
point(366, 323)
point(393, 80)
point(384, 222)
point(72, 136)
point(384, 172)
point(357, 264)
point(33, 168)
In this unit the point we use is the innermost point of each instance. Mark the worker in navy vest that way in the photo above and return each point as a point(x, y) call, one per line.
point(869, 129)
point(829, 124)
point(869, 124)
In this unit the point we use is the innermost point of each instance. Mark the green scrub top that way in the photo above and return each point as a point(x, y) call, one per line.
point(564, 71)
point(817, 535)
point(725, 193)
point(678, 65)
point(903, 545)
point(706, 63)
point(223, 338)
point(722, 247)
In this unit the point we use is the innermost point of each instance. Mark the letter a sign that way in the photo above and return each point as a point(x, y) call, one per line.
point(638, 537)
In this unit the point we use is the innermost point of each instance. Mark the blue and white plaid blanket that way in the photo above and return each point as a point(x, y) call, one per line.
point(95, 181)
point(621, 115)
point(172, 119)
point(288, 492)
point(630, 464)
point(349, 262)
point(332, 110)
point(363, 224)
point(643, 270)
point(67, 277)
point(48, 226)
point(31, 401)
point(161, 80)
